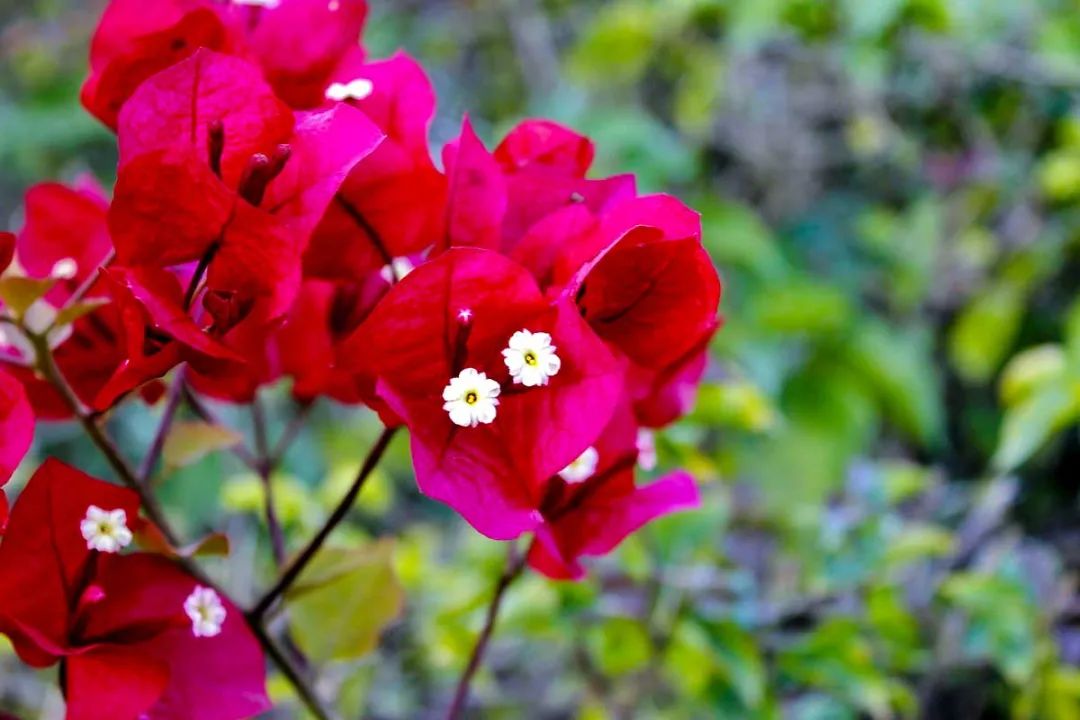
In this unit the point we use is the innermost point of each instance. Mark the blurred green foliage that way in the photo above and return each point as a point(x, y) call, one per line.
point(887, 437)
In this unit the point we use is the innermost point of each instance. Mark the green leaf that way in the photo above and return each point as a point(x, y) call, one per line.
point(1031, 370)
point(71, 313)
point(802, 307)
point(918, 542)
point(738, 404)
point(617, 45)
point(985, 331)
point(739, 661)
point(1030, 424)
point(344, 599)
point(619, 646)
point(189, 442)
point(19, 293)
point(898, 364)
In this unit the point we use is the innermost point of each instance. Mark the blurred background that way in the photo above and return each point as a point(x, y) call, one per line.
point(887, 436)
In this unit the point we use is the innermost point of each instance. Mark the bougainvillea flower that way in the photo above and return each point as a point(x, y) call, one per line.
point(306, 346)
point(393, 202)
point(298, 43)
point(539, 169)
point(311, 341)
point(653, 294)
point(243, 189)
point(157, 332)
point(136, 39)
point(435, 342)
point(65, 239)
point(65, 234)
point(16, 425)
point(119, 623)
point(591, 505)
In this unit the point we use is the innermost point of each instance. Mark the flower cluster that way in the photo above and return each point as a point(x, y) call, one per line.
point(277, 214)
point(135, 635)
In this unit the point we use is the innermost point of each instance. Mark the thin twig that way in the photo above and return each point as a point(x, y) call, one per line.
point(172, 405)
point(293, 570)
point(515, 564)
point(266, 471)
point(206, 415)
point(292, 431)
point(48, 368)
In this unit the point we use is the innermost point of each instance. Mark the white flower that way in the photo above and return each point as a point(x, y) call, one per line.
point(37, 319)
point(581, 469)
point(105, 530)
point(471, 398)
point(398, 268)
point(531, 358)
point(207, 613)
point(357, 89)
point(646, 446)
point(65, 269)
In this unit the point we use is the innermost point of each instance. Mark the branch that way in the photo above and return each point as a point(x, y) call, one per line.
point(206, 415)
point(292, 430)
point(292, 572)
point(266, 470)
point(172, 404)
point(47, 366)
point(515, 564)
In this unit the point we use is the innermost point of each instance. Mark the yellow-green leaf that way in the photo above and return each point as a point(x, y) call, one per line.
point(344, 599)
point(19, 293)
point(71, 313)
point(189, 442)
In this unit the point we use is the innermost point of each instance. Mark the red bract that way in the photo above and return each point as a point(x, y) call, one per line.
point(157, 333)
point(298, 43)
point(243, 188)
point(311, 342)
point(392, 203)
point(653, 294)
point(295, 43)
point(117, 622)
point(539, 169)
point(308, 346)
point(65, 238)
point(136, 39)
point(7, 250)
point(593, 504)
point(634, 265)
point(16, 425)
point(65, 234)
point(460, 313)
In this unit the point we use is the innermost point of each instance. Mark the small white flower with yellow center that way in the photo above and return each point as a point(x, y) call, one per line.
point(531, 358)
point(581, 469)
point(471, 398)
point(357, 89)
point(207, 613)
point(105, 530)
